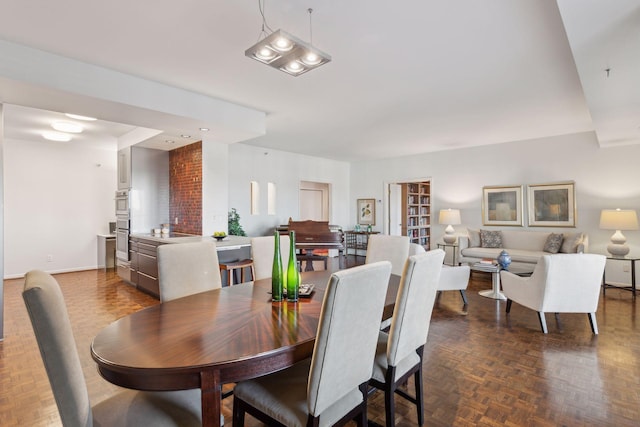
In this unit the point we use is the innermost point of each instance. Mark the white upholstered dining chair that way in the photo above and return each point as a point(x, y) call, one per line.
point(262, 249)
point(52, 328)
point(452, 278)
point(187, 268)
point(395, 249)
point(399, 352)
point(331, 387)
point(560, 283)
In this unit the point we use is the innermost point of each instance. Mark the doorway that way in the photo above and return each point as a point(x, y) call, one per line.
point(408, 210)
point(314, 201)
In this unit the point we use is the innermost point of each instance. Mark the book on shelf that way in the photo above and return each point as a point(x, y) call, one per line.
point(487, 261)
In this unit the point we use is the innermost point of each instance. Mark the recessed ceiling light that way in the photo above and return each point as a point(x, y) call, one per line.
point(204, 129)
point(185, 136)
point(56, 136)
point(67, 127)
point(77, 117)
point(169, 141)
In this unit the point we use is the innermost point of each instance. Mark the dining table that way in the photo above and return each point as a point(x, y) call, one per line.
point(213, 338)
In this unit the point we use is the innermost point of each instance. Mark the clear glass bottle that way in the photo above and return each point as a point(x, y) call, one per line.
point(276, 272)
point(293, 275)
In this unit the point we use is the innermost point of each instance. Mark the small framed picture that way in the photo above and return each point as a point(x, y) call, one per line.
point(367, 211)
point(502, 205)
point(552, 205)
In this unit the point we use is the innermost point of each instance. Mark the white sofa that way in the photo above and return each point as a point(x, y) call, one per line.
point(524, 247)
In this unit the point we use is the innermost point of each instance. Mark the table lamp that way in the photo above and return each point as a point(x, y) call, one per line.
point(449, 217)
point(618, 220)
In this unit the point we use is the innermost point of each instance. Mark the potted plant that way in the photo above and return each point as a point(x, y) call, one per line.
point(235, 229)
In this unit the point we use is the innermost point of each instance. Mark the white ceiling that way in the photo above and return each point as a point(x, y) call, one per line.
point(405, 77)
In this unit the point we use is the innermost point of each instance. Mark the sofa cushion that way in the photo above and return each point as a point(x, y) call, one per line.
point(570, 242)
point(517, 255)
point(490, 239)
point(526, 240)
point(553, 243)
point(474, 238)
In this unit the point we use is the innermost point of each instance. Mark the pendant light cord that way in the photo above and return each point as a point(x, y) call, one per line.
point(310, 27)
point(265, 26)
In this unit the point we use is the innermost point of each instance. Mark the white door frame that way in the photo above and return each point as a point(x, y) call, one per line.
point(386, 202)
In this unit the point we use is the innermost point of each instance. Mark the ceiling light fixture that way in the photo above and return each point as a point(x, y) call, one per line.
point(204, 129)
point(185, 136)
point(285, 52)
point(56, 136)
point(78, 117)
point(67, 127)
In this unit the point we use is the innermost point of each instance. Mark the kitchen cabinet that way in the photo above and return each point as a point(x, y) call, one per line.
point(144, 264)
point(124, 168)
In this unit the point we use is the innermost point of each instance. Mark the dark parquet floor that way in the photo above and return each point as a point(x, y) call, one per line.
point(481, 367)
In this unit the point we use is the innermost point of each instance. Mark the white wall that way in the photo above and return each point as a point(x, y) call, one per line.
point(604, 177)
point(57, 199)
point(286, 170)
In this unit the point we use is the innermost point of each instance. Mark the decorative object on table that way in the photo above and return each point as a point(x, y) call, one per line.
point(357, 228)
point(366, 211)
point(552, 205)
point(285, 52)
point(235, 229)
point(369, 228)
point(618, 220)
point(165, 229)
point(219, 235)
point(502, 205)
point(450, 217)
point(293, 274)
point(504, 260)
point(276, 272)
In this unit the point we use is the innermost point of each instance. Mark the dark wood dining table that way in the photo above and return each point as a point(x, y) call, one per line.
point(213, 338)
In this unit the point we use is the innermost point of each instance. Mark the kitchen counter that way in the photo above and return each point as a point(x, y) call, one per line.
point(143, 251)
point(228, 243)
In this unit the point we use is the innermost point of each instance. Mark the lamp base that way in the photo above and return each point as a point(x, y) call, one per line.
point(617, 249)
point(618, 246)
point(449, 238)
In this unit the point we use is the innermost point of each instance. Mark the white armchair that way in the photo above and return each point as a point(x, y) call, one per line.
point(561, 283)
point(455, 279)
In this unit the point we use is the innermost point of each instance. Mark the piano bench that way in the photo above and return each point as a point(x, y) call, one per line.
point(309, 259)
point(231, 267)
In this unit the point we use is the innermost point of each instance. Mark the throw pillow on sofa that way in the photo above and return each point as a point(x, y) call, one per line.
point(474, 238)
point(490, 239)
point(570, 243)
point(553, 243)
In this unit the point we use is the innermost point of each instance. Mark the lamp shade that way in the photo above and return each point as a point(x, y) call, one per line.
point(449, 217)
point(618, 219)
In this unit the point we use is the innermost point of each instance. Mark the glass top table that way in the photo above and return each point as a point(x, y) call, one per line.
point(494, 269)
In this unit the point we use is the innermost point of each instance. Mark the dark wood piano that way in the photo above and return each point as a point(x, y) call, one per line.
point(316, 235)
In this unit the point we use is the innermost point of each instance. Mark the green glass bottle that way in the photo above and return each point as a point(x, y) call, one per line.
point(276, 272)
point(293, 275)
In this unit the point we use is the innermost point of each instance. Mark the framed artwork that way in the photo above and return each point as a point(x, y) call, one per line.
point(552, 205)
point(502, 205)
point(367, 211)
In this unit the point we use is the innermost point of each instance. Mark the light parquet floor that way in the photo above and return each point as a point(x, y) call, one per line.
point(481, 367)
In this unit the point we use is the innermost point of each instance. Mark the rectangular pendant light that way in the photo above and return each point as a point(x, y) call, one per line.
point(287, 53)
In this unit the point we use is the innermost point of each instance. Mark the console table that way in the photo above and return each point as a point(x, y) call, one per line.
point(357, 240)
point(632, 261)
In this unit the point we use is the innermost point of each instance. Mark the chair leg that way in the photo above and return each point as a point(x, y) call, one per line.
point(238, 413)
point(419, 398)
point(594, 324)
point(508, 309)
point(543, 322)
point(464, 296)
point(389, 398)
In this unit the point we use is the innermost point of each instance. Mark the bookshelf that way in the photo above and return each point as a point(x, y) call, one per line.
point(416, 212)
